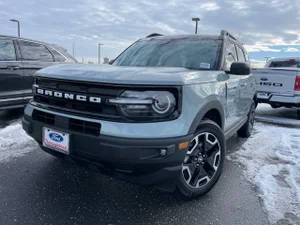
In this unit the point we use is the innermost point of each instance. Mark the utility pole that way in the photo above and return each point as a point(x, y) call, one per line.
point(18, 22)
point(196, 19)
point(99, 53)
point(73, 49)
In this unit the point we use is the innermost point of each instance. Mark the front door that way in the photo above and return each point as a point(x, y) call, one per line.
point(11, 75)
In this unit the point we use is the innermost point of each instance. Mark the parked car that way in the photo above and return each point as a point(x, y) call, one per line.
point(19, 59)
point(158, 116)
point(278, 84)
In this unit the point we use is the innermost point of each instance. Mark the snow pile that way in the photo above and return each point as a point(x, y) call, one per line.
point(14, 142)
point(272, 160)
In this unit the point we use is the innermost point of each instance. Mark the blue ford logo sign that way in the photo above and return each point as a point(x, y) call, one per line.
point(56, 137)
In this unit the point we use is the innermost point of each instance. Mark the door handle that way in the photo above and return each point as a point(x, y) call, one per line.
point(13, 67)
point(243, 85)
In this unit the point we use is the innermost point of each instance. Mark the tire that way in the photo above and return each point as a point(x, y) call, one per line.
point(246, 130)
point(203, 162)
point(298, 114)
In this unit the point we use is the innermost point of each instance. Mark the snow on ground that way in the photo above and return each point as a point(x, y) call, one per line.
point(14, 142)
point(272, 161)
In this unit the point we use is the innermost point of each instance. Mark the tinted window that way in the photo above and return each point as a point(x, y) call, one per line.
point(57, 56)
point(186, 52)
point(286, 63)
point(230, 55)
point(7, 50)
point(35, 52)
point(241, 55)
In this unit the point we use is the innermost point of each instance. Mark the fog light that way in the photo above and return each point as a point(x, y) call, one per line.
point(163, 152)
point(183, 145)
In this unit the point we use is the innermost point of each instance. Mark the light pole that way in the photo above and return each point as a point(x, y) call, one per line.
point(196, 19)
point(99, 54)
point(18, 22)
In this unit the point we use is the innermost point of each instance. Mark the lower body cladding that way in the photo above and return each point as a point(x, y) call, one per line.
point(156, 162)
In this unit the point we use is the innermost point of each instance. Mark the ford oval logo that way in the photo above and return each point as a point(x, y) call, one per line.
point(56, 137)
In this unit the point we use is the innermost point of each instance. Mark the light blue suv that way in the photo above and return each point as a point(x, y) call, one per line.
point(159, 115)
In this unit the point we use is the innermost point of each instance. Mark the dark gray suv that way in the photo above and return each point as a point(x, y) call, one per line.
point(19, 60)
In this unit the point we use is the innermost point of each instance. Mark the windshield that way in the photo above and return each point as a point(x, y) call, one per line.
point(188, 53)
point(287, 63)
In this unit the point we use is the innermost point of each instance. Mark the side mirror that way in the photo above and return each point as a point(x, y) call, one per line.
point(240, 68)
point(111, 61)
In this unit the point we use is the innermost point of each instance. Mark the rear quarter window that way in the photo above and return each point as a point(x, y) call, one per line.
point(7, 50)
point(57, 56)
point(32, 51)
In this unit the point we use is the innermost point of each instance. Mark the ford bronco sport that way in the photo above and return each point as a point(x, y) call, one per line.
point(159, 115)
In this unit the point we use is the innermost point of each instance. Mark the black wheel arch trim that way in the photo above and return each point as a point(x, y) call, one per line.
point(211, 105)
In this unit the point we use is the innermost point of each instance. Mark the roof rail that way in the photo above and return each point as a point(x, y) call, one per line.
point(154, 35)
point(226, 33)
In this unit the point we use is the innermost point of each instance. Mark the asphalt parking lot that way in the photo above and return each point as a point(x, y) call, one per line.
point(36, 188)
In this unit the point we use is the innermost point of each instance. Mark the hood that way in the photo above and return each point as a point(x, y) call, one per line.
point(128, 75)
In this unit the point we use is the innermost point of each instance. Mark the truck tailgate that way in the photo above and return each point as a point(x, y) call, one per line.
point(277, 81)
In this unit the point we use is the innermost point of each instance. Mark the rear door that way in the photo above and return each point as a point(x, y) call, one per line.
point(11, 76)
point(35, 56)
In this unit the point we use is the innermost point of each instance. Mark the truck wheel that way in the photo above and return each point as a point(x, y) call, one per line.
point(246, 130)
point(203, 162)
point(298, 114)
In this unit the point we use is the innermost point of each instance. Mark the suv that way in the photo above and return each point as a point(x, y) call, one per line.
point(159, 115)
point(19, 60)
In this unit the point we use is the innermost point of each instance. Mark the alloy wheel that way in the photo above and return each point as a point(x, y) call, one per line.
point(202, 160)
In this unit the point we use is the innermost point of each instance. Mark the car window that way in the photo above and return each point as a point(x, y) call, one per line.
point(285, 63)
point(199, 54)
point(7, 50)
point(241, 55)
point(230, 55)
point(57, 56)
point(35, 52)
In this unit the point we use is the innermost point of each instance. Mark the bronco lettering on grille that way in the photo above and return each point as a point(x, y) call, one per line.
point(70, 96)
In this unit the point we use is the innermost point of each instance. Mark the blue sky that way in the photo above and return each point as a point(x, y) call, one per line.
point(267, 28)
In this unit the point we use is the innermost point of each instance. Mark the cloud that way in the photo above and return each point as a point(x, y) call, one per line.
point(260, 48)
point(291, 50)
point(261, 25)
point(210, 6)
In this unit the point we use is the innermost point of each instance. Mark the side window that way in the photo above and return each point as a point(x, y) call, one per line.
point(57, 56)
point(241, 55)
point(230, 55)
point(35, 52)
point(7, 50)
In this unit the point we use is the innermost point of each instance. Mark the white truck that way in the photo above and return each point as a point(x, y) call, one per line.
point(278, 84)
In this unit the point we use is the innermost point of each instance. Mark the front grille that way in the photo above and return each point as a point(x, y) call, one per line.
point(75, 125)
point(103, 110)
point(43, 117)
point(84, 127)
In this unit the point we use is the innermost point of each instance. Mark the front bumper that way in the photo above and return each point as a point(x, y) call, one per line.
point(137, 160)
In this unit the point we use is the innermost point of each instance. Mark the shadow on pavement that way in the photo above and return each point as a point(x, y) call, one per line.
point(9, 116)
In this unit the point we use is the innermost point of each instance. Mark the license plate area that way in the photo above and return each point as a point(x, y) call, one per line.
point(56, 140)
point(263, 95)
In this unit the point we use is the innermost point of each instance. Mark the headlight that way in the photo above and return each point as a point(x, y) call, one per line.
point(146, 104)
